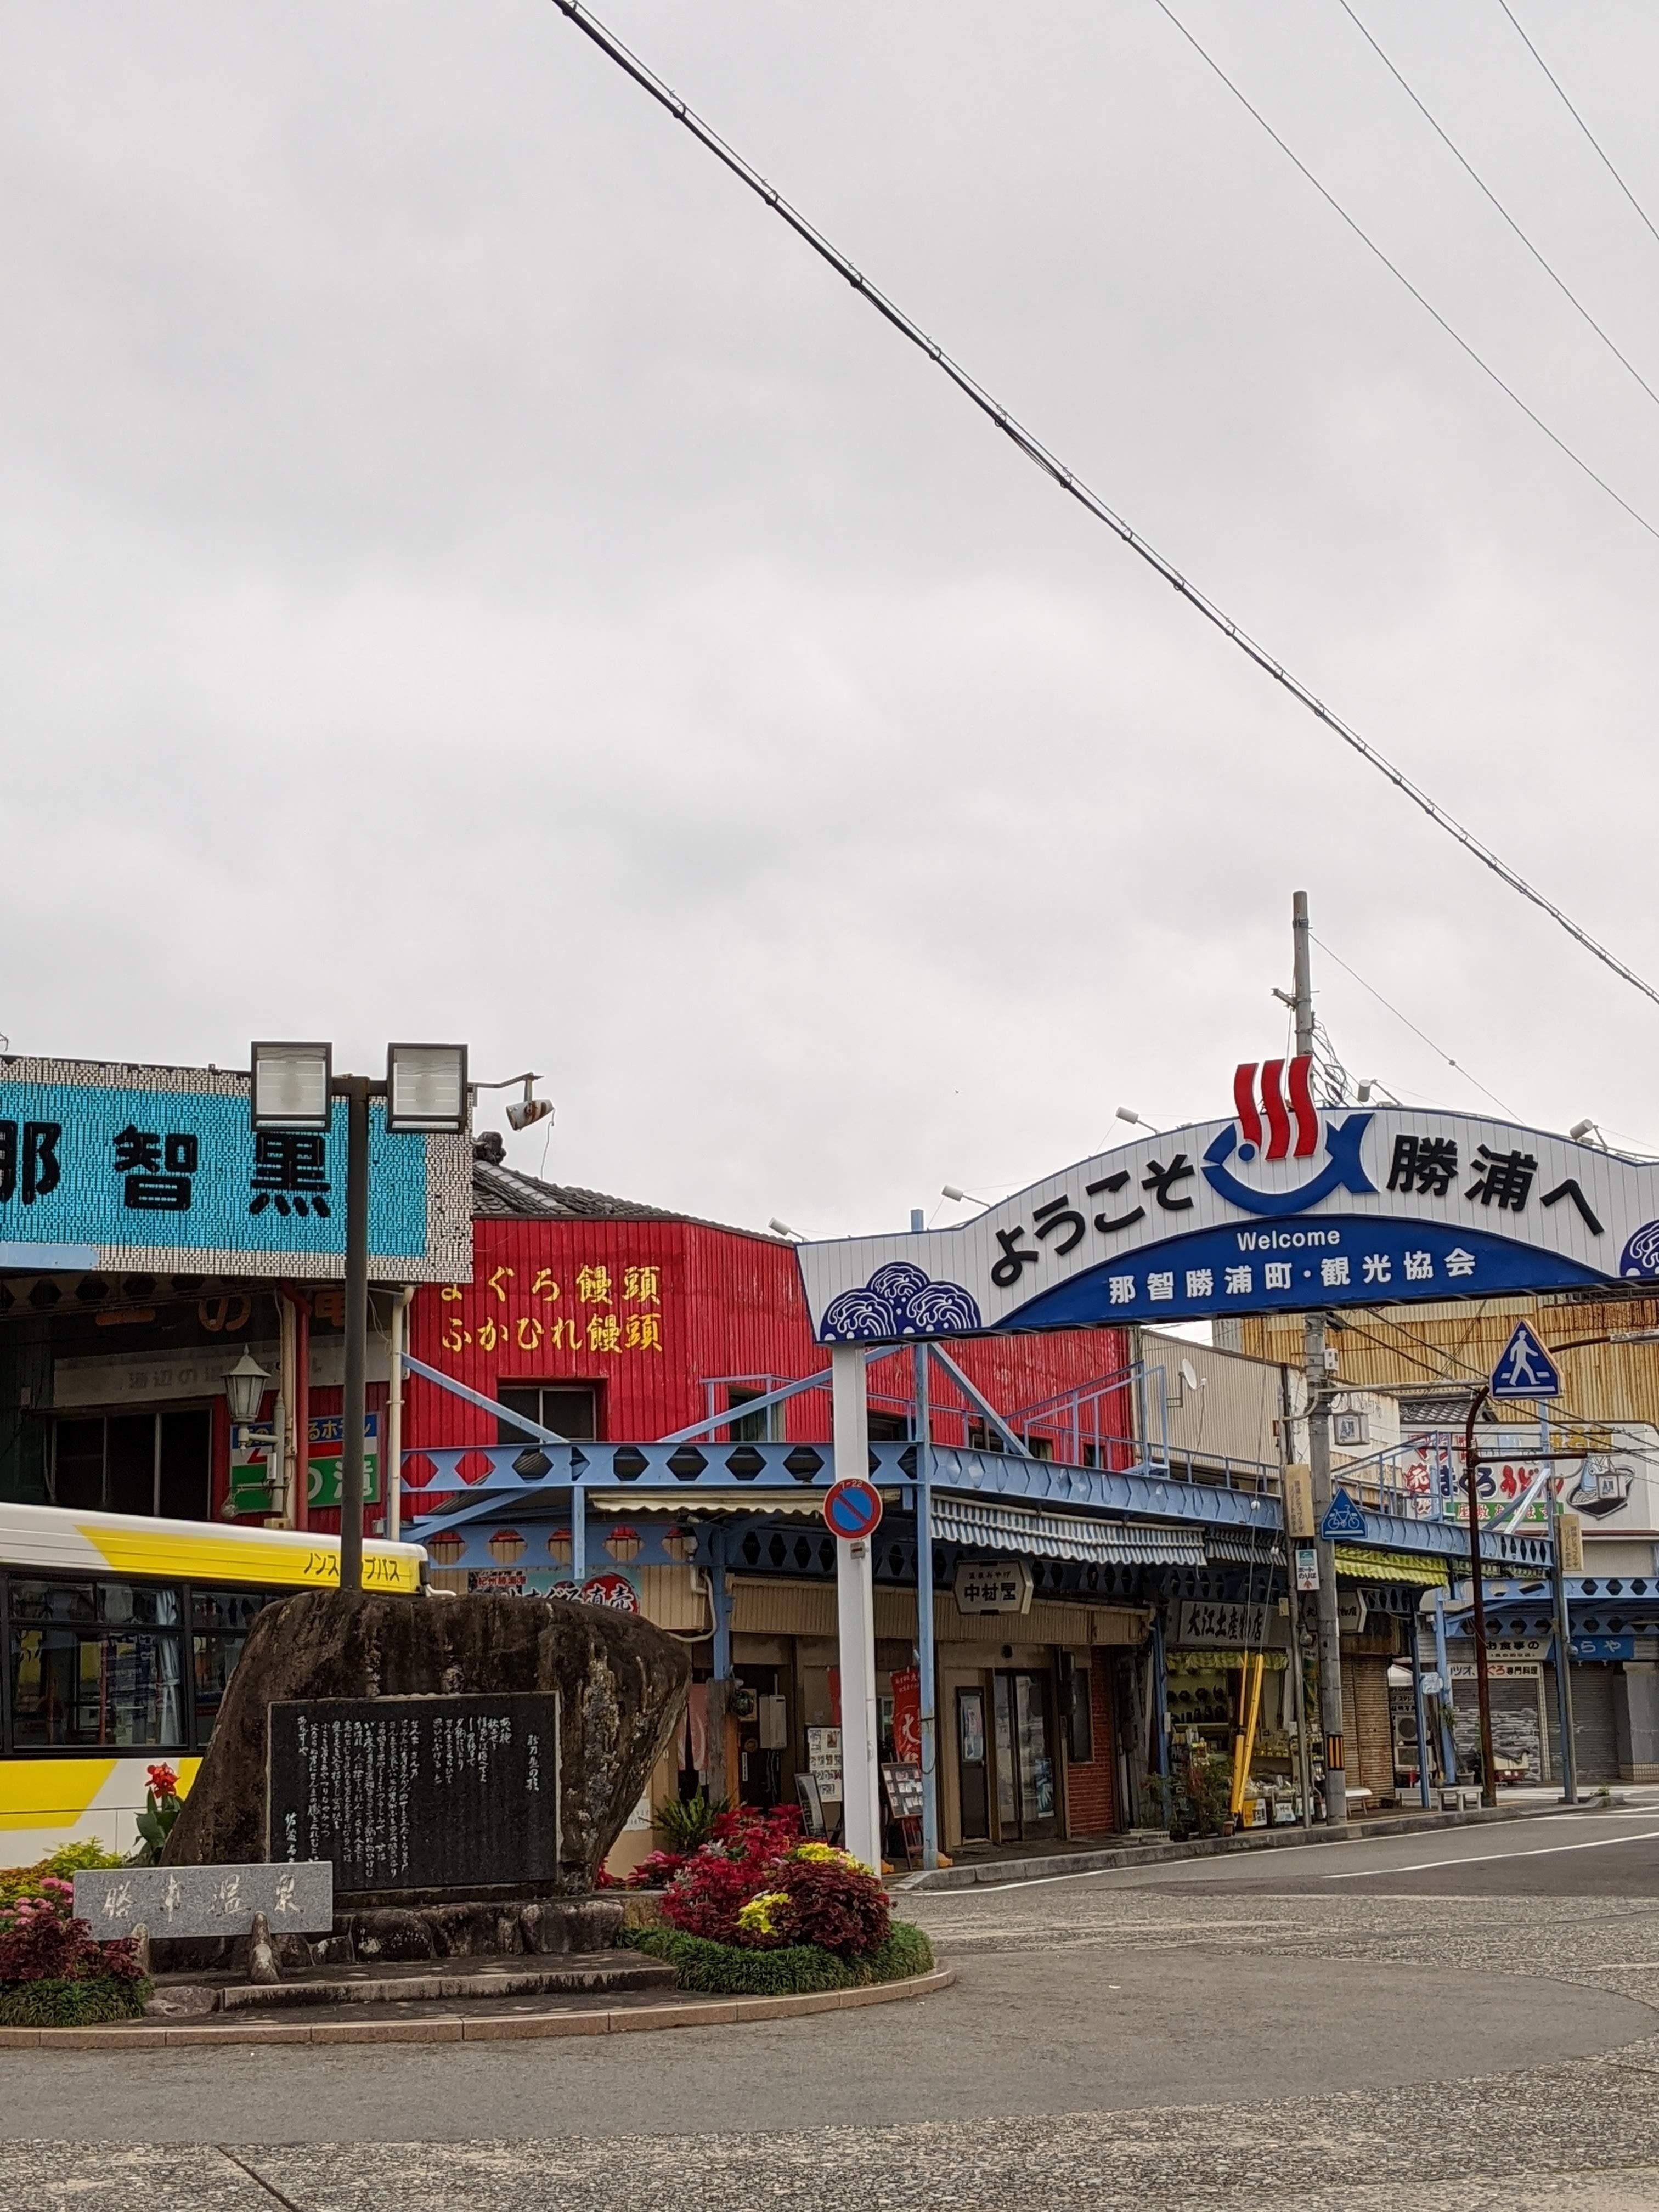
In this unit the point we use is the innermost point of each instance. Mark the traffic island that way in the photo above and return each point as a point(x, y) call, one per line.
point(488, 2006)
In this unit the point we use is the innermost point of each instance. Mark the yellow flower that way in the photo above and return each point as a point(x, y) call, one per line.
point(827, 1855)
point(758, 1916)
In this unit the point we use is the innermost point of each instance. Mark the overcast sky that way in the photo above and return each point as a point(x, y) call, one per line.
point(469, 571)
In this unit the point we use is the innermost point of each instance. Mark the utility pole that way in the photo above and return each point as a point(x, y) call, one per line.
point(1482, 1681)
point(1317, 1364)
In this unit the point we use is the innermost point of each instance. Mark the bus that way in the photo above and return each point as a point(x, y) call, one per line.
point(118, 1636)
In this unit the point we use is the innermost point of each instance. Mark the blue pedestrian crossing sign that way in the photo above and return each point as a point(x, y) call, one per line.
point(1524, 1369)
point(1343, 1519)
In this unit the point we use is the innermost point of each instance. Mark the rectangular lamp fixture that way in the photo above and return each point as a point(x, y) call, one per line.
point(291, 1086)
point(426, 1087)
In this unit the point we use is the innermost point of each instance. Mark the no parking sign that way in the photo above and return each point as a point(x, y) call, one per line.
point(852, 1509)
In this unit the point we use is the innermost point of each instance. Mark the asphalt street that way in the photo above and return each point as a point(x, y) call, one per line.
point(1462, 2019)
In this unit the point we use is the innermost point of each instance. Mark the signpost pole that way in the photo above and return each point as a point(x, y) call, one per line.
point(356, 1089)
point(1563, 1644)
point(1483, 1686)
point(926, 1692)
point(860, 1783)
point(1425, 1788)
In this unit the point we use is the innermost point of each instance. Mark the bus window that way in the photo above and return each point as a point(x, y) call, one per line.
point(219, 1620)
point(95, 1664)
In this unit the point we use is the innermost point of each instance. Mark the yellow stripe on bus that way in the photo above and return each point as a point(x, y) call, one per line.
point(38, 1792)
point(224, 1559)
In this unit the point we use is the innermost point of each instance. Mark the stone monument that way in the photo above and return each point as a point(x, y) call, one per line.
point(434, 1748)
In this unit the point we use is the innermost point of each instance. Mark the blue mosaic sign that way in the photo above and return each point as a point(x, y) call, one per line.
point(149, 1169)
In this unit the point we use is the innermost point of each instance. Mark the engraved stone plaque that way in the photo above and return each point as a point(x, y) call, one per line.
point(417, 1793)
point(206, 1900)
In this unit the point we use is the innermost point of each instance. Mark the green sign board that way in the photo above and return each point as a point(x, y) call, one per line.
point(249, 1464)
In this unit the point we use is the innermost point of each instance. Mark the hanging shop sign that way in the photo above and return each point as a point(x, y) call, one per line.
point(1285, 1206)
point(993, 1586)
point(158, 1171)
point(1589, 1648)
point(1202, 1624)
point(1307, 1567)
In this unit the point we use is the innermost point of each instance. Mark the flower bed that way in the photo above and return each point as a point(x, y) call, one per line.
point(790, 1970)
point(53, 1970)
point(757, 1913)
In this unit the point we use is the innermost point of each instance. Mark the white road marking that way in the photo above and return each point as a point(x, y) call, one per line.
point(1481, 1858)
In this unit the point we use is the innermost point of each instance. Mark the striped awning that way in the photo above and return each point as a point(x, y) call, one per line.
point(1355, 1564)
point(1062, 1535)
point(763, 1505)
point(1221, 1662)
point(1235, 1548)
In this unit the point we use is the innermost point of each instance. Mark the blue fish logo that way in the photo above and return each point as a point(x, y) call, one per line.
point(1341, 1171)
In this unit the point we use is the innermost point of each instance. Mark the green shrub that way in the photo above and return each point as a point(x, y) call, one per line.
point(70, 2004)
point(65, 1863)
point(686, 1825)
point(794, 1969)
point(906, 1952)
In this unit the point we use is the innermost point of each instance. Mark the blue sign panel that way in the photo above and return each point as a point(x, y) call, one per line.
point(1603, 1647)
point(1335, 1260)
point(130, 1168)
point(1344, 1523)
point(1524, 1369)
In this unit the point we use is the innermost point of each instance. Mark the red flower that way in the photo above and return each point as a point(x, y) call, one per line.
point(163, 1782)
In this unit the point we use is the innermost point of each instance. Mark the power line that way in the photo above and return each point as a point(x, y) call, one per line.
point(1040, 457)
point(1439, 1050)
point(1578, 119)
point(1397, 272)
point(1445, 139)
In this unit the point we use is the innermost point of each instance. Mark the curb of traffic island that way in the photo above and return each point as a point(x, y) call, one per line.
point(1123, 1856)
point(454, 2028)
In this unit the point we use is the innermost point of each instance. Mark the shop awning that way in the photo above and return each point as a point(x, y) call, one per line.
point(1236, 1548)
point(1062, 1535)
point(766, 1505)
point(1355, 1565)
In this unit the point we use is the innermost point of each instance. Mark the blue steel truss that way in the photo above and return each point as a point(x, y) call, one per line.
point(685, 1469)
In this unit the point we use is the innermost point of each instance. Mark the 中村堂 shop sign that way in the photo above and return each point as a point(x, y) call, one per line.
point(1285, 1205)
point(157, 1169)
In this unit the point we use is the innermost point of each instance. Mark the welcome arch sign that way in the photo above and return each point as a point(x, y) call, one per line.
point(1283, 1206)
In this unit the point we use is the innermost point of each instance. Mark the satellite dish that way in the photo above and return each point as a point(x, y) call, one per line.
point(1189, 1374)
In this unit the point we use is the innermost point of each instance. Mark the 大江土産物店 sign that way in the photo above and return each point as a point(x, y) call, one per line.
point(158, 1170)
point(1284, 1205)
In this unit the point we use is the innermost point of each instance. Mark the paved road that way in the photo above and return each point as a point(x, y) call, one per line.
point(1593, 1853)
point(1192, 2036)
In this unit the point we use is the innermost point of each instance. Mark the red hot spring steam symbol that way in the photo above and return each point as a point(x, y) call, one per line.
point(1272, 1107)
point(1343, 1170)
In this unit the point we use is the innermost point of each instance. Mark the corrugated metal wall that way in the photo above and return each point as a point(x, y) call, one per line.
point(1420, 1346)
point(644, 1310)
point(1231, 1415)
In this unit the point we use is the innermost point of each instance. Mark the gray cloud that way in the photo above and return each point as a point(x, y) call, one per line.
point(469, 571)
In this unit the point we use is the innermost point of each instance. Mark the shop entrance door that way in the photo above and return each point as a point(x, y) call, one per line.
point(1026, 1805)
point(973, 1779)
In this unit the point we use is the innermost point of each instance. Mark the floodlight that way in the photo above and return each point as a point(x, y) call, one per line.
point(289, 1085)
point(426, 1087)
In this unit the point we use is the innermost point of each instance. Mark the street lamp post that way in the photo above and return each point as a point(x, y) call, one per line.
point(293, 1086)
